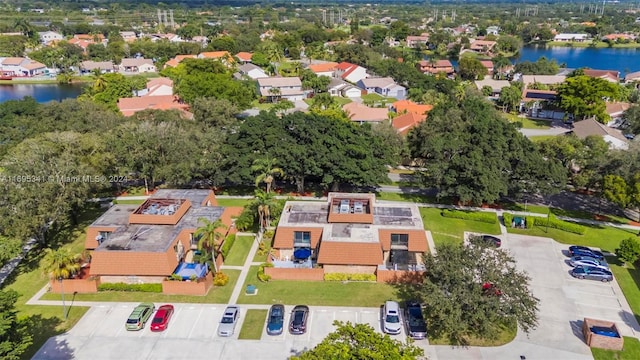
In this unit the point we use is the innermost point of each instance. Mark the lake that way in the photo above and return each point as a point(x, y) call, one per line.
point(623, 60)
point(41, 92)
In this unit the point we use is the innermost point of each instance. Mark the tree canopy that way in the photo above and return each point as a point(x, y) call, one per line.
point(585, 96)
point(360, 342)
point(14, 334)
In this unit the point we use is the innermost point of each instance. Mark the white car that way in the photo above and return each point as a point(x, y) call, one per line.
point(391, 323)
point(229, 320)
point(589, 262)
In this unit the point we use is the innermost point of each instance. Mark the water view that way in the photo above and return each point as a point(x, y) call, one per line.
point(623, 60)
point(41, 92)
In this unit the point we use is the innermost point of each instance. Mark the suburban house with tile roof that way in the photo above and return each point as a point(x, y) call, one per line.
point(495, 85)
point(250, 71)
point(361, 114)
point(19, 66)
point(349, 233)
point(47, 37)
point(407, 121)
point(324, 69)
point(632, 77)
point(289, 88)
point(414, 41)
point(384, 86)
point(223, 56)
point(591, 127)
point(137, 65)
point(484, 47)
point(177, 60)
point(104, 66)
point(244, 57)
point(439, 66)
point(147, 243)
point(616, 110)
point(609, 75)
point(350, 72)
point(339, 87)
point(159, 86)
point(408, 106)
point(129, 36)
point(130, 106)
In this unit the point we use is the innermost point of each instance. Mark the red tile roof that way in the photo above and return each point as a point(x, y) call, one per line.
point(359, 112)
point(244, 56)
point(129, 106)
point(409, 106)
point(316, 68)
point(417, 239)
point(133, 263)
point(178, 59)
point(406, 122)
point(350, 253)
point(283, 238)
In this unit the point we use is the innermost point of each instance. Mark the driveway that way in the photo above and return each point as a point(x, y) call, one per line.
point(564, 303)
point(192, 334)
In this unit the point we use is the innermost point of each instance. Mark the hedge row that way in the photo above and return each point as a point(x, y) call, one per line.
point(226, 246)
point(349, 277)
point(155, 288)
point(481, 216)
point(261, 275)
point(552, 222)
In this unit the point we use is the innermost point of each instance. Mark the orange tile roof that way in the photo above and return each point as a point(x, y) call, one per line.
point(244, 56)
point(417, 239)
point(283, 238)
point(133, 263)
point(214, 54)
point(359, 112)
point(13, 61)
point(406, 122)
point(409, 106)
point(176, 60)
point(129, 106)
point(316, 68)
point(350, 253)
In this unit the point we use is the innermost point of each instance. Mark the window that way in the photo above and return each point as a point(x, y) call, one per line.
point(302, 238)
point(399, 241)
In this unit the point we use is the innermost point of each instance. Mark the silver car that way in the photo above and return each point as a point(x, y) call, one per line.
point(391, 323)
point(229, 320)
point(588, 261)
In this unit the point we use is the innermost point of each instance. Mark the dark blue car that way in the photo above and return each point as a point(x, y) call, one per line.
point(584, 272)
point(275, 323)
point(577, 250)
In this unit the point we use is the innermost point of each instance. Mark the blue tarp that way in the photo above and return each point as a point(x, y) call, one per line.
point(302, 253)
point(186, 270)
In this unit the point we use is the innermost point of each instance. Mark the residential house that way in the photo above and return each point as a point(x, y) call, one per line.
point(339, 87)
point(408, 106)
point(47, 37)
point(244, 57)
point(591, 127)
point(493, 30)
point(609, 75)
point(361, 114)
point(95, 38)
point(289, 88)
point(350, 233)
point(137, 65)
point(129, 36)
point(146, 243)
point(436, 67)
point(83, 44)
point(384, 86)
point(571, 37)
point(616, 110)
point(19, 66)
point(496, 85)
point(488, 64)
point(615, 37)
point(484, 47)
point(202, 40)
point(104, 67)
point(250, 71)
point(324, 68)
point(350, 72)
point(533, 99)
point(160, 86)
point(414, 41)
point(634, 78)
point(407, 121)
point(223, 56)
point(177, 60)
point(130, 106)
point(169, 37)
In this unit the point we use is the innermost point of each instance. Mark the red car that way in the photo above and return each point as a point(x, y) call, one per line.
point(162, 317)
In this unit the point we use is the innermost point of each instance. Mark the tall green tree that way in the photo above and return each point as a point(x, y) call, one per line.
point(266, 170)
point(60, 263)
point(360, 341)
point(456, 305)
point(14, 334)
point(470, 68)
point(210, 238)
point(586, 96)
point(510, 97)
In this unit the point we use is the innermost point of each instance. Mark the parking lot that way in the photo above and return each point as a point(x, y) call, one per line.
point(192, 334)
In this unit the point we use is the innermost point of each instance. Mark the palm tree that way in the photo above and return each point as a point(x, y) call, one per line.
point(275, 93)
point(99, 81)
point(266, 168)
point(264, 200)
point(61, 263)
point(210, 238)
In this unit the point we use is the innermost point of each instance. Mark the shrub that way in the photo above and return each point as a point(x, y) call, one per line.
point(507, 218)
point(349, 277)
point(481, 216)
point(226, 246)
point(155, 288)
point(174, 277)
point(246, 219)
point(261, 275)
point(276, 210)
point(629, 250)
point(220, 279)
point(556, 223)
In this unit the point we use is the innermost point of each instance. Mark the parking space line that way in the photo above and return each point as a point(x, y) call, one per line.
point(193, 326)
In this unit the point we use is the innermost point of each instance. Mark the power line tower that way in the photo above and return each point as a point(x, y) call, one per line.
point(166, 22)
point(159, 17)
point(324, 16)
point(173, 24)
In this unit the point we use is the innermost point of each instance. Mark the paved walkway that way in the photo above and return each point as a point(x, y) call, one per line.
point(237, 290)
point(8, 268)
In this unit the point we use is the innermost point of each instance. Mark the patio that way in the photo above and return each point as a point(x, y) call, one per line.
point(293, 264)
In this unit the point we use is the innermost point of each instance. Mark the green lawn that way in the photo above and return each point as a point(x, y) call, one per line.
point(631, 351)
point(506, 336)
point(447, 229)
point(262, 106)
point(338, 100)
point(526, 123)
point(629, 280)
point(217, 295)
point(318, 293)
point(239, 250)
point(263, 257)
point(371, 98)
point(579, 214)
point(253, 324)
point(234, 202)
point(407, 197)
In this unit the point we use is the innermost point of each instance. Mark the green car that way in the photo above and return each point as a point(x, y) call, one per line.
point(140, 316)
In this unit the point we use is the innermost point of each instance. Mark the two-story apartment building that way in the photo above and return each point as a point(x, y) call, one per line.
point(289, 88)
point(19, 66)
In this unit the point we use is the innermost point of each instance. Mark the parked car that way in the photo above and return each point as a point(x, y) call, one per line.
point(298, 322)
point(588, 261)
point(229, 320)
point(275, 322)
point(416, 327)
point(391, 323)
point(576, 250)
point(139, 316)
point(591, 273)
point(161, 318)
point(486, 239)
